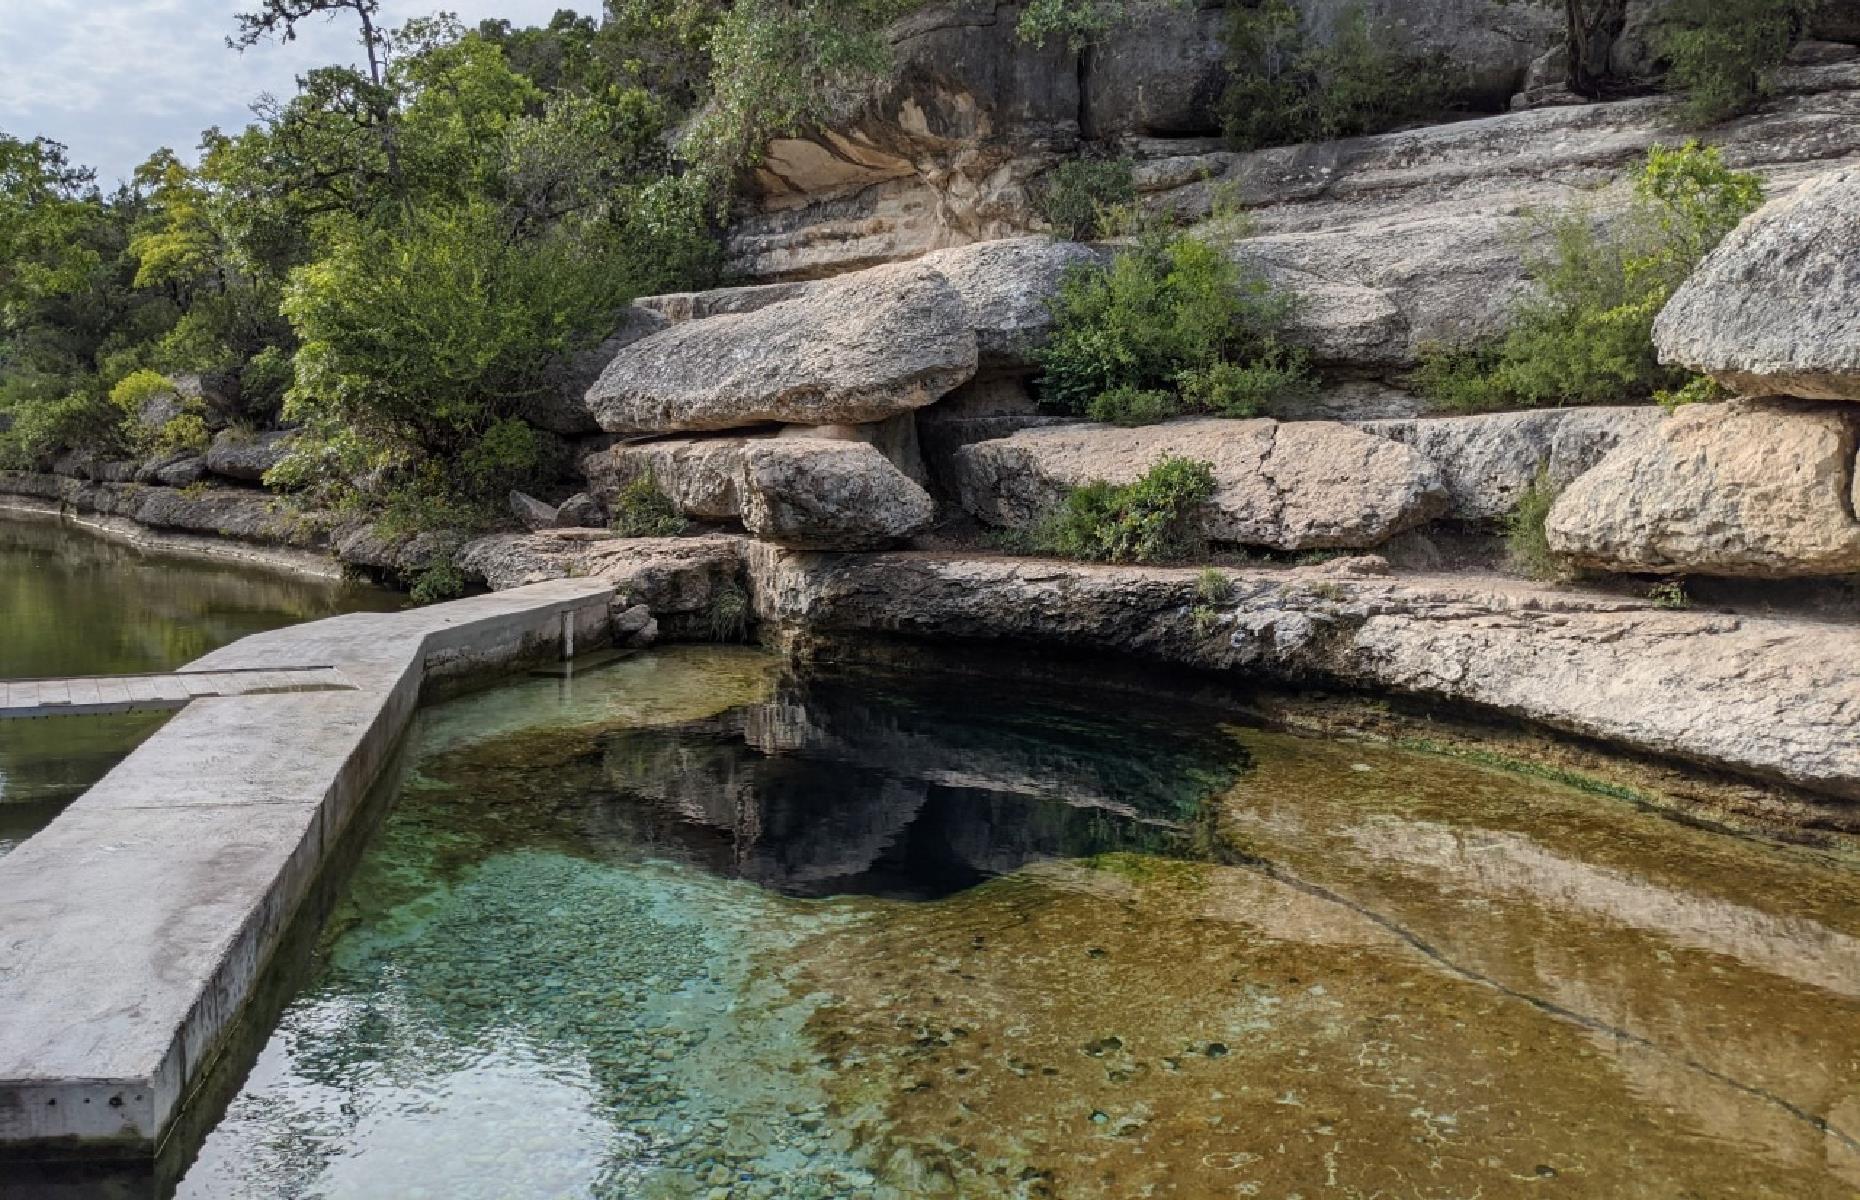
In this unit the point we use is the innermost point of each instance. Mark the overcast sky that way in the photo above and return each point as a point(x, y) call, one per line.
point(115, 79)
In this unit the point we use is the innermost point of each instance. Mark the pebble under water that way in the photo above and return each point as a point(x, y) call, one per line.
point(700, 925)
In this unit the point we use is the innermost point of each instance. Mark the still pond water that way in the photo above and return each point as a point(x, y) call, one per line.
point(700, 925)
point(73, 603)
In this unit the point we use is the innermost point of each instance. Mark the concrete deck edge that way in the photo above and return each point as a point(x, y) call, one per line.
point(50, 1103)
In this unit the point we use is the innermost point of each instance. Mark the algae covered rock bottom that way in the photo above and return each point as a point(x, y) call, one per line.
point(702, 924)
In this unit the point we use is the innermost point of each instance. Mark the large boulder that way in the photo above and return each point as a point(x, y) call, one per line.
point(244, 455)
point(1009, 286)
point(1759, 489)
point(1300, 486)
point(1489, 461)
point(861, 349)
point(1775, 309)
point(825, 494)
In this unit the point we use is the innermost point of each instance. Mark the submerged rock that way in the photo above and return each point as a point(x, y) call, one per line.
point(1297, 486)
point(1775, 309)
point(861, 349)
point(1760, 489)
point(1489, 461)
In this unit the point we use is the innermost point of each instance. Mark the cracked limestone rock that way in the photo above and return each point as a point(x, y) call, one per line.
point(828, 494)
point(1297, 486)
point(1764, 489)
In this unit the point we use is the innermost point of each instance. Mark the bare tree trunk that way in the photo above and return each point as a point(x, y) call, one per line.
point(1592, 27)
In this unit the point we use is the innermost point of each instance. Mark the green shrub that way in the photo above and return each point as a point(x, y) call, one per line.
point(135, 389)
point(1170, 313)
point(729, 613)
point(1081, 22)
point(1285, 88)
point(1527, 544)
point(187, 433)
point(642, 510)
point(1723, 54)
point(44, 426)
point(1080, 198)
point(1151, 520)
point(440, 579)
point(1129, 406)
point(1671, 594)
point(1213, 586)
point(1586, 335)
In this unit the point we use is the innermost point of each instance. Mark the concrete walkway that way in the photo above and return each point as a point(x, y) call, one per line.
point(135, 927)
point(92, 695)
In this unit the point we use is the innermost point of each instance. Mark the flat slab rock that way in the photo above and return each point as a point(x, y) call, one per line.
point(1775, 309)
point(1764, 489)
point(1286, 486)
point(848, 351)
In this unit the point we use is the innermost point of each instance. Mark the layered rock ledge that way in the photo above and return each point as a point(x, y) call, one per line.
point(1765, 698)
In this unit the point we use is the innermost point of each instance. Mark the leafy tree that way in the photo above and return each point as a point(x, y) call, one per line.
point(1723, 54)
point(1170, 325)
point(1286, 88)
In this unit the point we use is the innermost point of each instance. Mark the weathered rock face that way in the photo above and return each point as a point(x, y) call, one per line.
point(1771, 699)
point(237, 513)
point(860, 349)
point(178, 469)
point(530, 512)
point(817, 493)
point(1161, 76)
point(1395, 241)
point(1009, 286)
point(1489, 461)
point(942, 156)
point(1762, 489)
point(247, 456)
point(1775, 309)
point(1297, 486)
point(701, 476)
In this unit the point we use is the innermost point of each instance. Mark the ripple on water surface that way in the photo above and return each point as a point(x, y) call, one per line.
point(695, 925)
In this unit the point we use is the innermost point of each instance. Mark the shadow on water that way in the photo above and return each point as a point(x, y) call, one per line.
point(866, 782)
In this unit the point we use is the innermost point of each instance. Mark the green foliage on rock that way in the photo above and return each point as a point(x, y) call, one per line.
point(1288, 87)
point(1585, 334)
point(1723, 54)
point(1170, 325)
point(1149, 521)
point(1527, 545)
point(643, 510)
point(1082, 22)
point(1082, 198)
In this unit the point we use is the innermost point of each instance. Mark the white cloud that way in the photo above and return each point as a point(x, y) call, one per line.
point(115, 79)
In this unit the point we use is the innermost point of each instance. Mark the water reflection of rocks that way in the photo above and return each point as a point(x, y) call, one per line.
point(844, 784)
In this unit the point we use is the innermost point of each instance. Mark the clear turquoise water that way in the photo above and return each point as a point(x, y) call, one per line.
point(698, 925)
